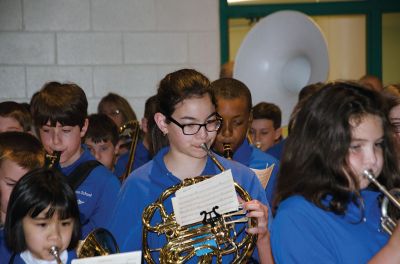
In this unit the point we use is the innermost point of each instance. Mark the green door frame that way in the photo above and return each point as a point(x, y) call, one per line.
point(372, 9)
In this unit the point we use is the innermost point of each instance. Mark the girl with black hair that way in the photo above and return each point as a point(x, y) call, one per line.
point(42, 213)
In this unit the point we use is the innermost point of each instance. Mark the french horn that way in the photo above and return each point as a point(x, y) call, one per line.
point(387, 222)
point(223, 235)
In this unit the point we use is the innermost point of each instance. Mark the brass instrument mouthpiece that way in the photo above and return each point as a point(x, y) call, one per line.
point(52, 159)
point(212, 156)
point(228, 153)
point(56, 253)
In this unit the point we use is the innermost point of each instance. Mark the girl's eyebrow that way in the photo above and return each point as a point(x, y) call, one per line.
point(194, 119)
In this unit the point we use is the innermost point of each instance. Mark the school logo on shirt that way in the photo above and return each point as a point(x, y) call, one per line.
point(84, 193)
point(80, 201)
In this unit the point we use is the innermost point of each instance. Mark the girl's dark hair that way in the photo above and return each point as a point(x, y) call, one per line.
point(33, 193)
point(173, 89)
point(65, 103)
point(314, 160)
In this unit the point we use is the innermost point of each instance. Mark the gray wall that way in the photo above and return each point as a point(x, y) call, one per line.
point(123, 46)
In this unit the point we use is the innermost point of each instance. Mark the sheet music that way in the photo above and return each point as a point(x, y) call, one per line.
point(190, 201)
point(134, 257)
point(264, 175)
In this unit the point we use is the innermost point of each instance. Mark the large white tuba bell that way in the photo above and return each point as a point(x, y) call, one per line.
point(282, 53)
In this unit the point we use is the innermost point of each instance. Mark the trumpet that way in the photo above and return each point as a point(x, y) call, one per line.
point(56, 253)
point(228, 152)
point(387, 223)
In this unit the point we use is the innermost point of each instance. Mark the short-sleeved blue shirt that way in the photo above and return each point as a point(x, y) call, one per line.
point(304, 233)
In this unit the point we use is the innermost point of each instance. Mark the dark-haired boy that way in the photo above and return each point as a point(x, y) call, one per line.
point(59, 112)
point(102, 139)
point(234, 105)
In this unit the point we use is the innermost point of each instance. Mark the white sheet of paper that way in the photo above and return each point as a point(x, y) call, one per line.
point(190, 201)
point(134, 257)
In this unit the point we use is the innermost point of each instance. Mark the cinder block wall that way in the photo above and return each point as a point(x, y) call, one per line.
point(123, 46)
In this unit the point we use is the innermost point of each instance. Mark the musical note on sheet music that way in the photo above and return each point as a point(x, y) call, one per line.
point(190, 201)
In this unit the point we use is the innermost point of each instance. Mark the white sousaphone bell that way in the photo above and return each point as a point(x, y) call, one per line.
point(281, 54)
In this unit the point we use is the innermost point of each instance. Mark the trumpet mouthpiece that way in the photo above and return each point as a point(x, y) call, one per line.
point(54, 250)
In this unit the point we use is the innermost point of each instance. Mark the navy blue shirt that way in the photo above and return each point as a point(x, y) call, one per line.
point(142, 155)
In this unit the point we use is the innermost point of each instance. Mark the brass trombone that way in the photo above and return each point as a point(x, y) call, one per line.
point(131, 130)
point(387, 223)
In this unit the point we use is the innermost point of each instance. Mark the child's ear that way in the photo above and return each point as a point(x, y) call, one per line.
point(160, 120)
point(84, 127)
point(278, 133)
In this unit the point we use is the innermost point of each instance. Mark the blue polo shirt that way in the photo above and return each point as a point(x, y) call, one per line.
point(254, 158)
point(277, 150)
point(142, 155)
point(148, 182)
point(96, 195)
point(304, 233)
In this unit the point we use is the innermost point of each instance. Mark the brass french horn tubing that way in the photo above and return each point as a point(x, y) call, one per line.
point(388, 224)
point(212, 156)
point(134, 134)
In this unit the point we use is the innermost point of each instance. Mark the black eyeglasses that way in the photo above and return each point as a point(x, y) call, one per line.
point(191, 129)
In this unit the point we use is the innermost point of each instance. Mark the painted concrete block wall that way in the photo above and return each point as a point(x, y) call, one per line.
point(121, 46)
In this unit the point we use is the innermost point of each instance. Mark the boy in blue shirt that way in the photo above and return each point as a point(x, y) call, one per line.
point(59, 112)
point(234, 105)
point(102, 139)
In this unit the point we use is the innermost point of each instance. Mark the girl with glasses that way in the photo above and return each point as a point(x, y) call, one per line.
point(185, 119)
